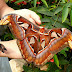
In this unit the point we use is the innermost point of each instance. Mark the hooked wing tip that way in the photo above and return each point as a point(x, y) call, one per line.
point(3, 22)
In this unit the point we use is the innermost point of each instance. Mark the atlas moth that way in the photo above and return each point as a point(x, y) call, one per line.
point(37, 44)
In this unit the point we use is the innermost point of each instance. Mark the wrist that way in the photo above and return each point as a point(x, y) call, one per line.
point(5, 10)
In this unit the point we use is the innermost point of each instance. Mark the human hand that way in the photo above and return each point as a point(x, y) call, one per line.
point(11, 46)
point(28, 14)
point(12, 50)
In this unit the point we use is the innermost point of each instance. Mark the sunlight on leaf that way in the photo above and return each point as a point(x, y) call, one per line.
point(63, 1)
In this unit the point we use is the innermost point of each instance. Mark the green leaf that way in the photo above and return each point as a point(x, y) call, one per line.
point(44, 11)
point(7, 36)
point(64, 13)
point(69, 68)
point(33, 8)
point(69, 4)
point(44, 1)
point(71, 1)
point(54, 17)
point(45, 20)
point(29, 0)
point(49, 67)
point(71, 15)
point(63, 52)
point(66, 49)
point(41, 8)
point(19, 1)
point(54, 6)
point(63, 1)
point(48, 25)
point(27, 69)
point(35, 1)
point(58, 10)
point(58, 24)
point(56, 60)
point(63, 62)
point(37, 70)
point(57, 70)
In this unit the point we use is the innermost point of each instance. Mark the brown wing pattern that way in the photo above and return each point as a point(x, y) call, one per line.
point(37, 44)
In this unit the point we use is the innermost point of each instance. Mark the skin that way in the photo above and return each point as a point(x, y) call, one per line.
point(11, 46)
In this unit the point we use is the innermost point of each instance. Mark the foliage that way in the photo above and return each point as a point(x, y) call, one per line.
point(53, 14)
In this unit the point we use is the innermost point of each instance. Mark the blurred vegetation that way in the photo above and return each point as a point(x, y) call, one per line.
point(53, 14)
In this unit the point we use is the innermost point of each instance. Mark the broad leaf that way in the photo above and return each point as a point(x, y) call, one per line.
point(44, 11)
point(66, 49)
point(45, 20)
point(71, 15)
point(58, 10)
point(48, 25)
point(69, 4)
point(44, 1)
point(64, 13)
point(56, 60)
point(35, 1)
point(63, 52)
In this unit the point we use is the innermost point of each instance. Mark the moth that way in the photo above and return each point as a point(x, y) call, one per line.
point(37, 44)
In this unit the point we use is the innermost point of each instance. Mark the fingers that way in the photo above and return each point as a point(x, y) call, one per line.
point(12, 49)
point(28, 14)
point(35, 17)
point(31, 20)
